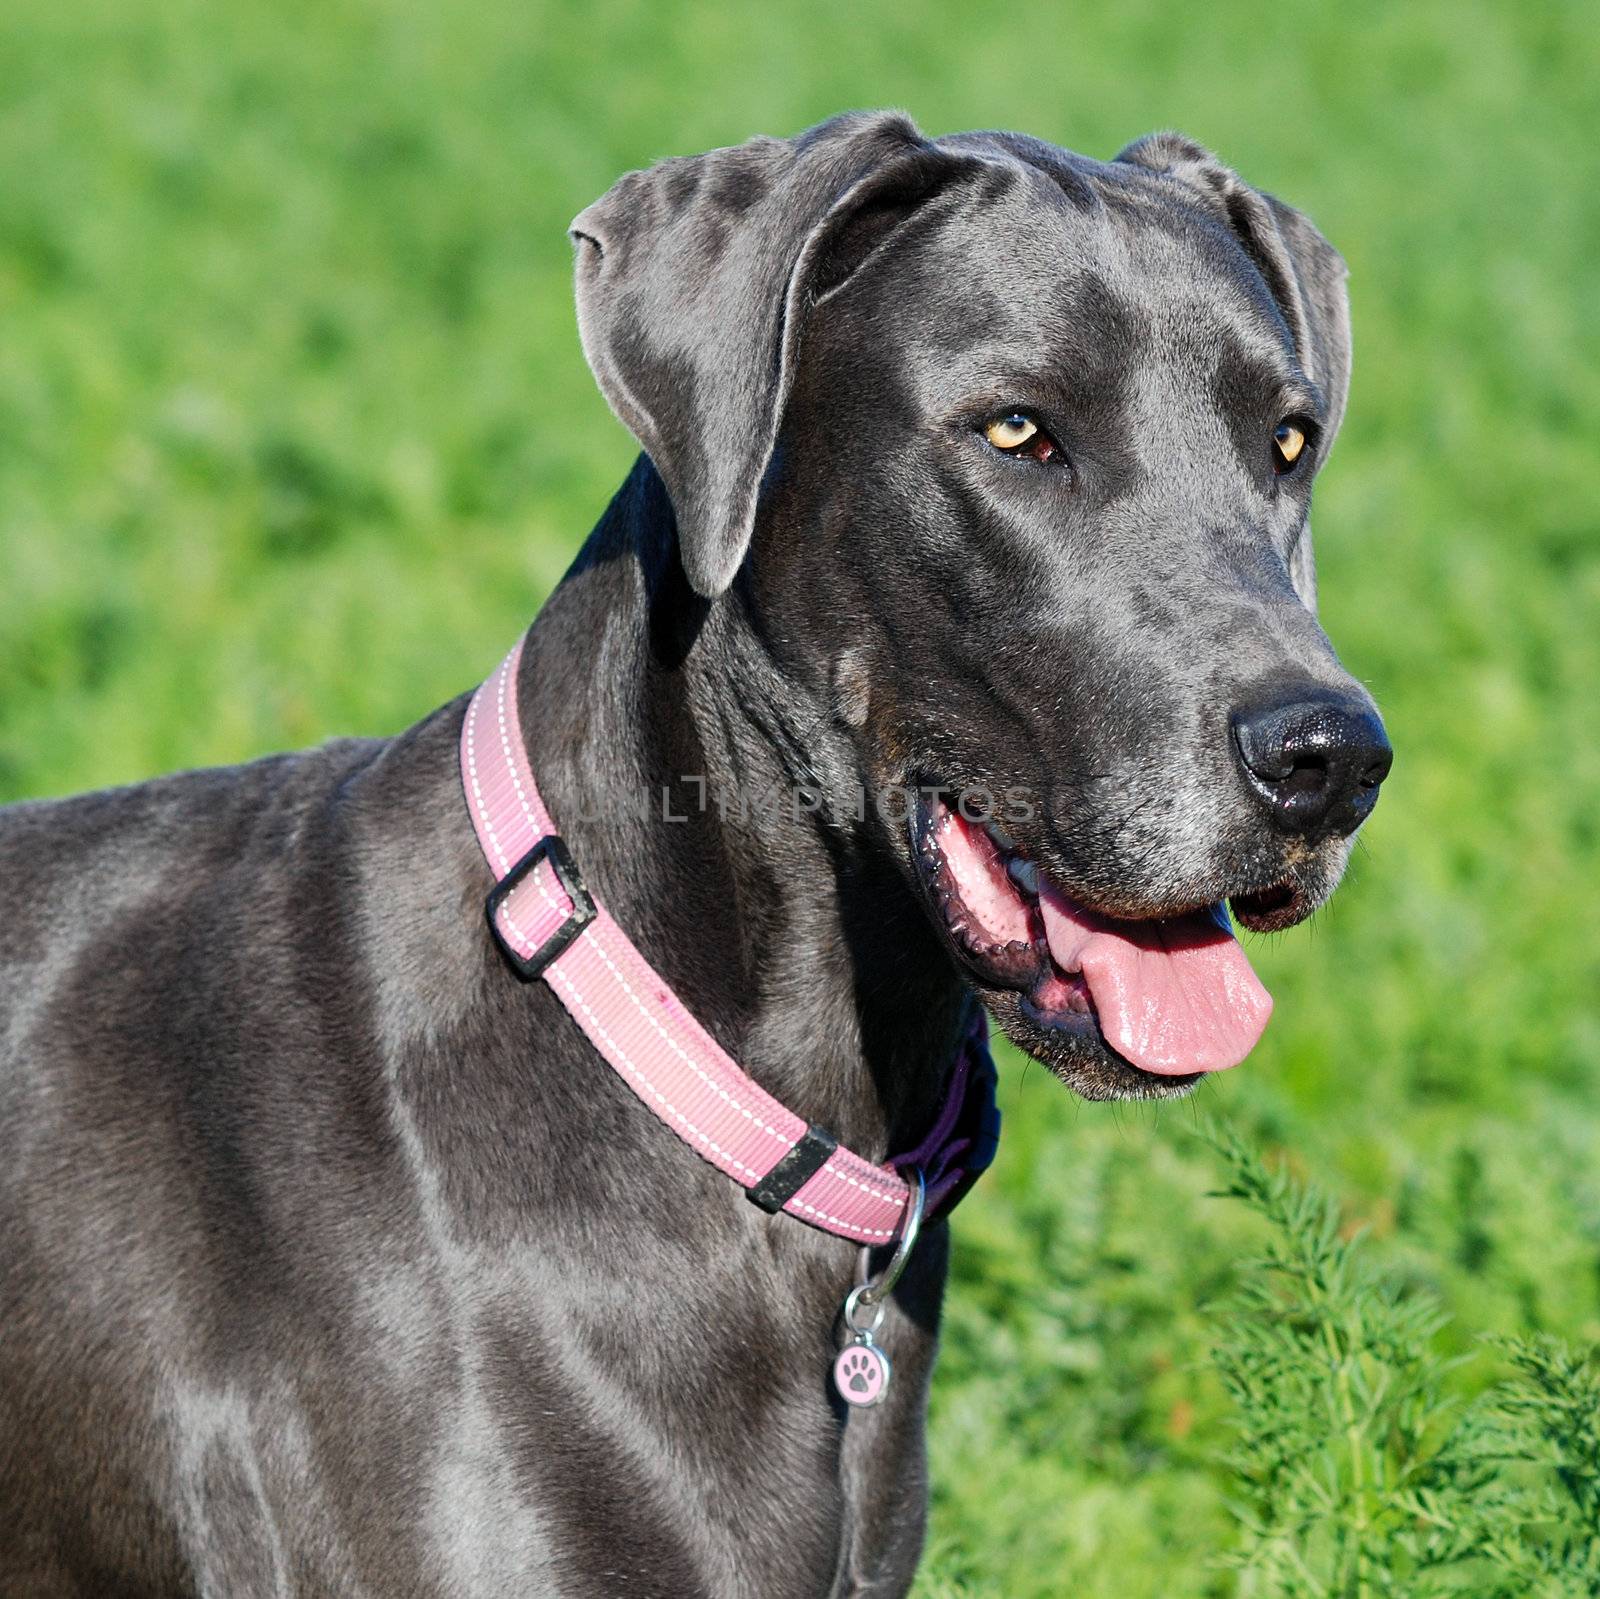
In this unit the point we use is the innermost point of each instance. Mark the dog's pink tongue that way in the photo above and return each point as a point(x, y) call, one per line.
point(1173, 997)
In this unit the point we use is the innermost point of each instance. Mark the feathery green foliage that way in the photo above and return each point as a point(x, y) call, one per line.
point(1357, 1470)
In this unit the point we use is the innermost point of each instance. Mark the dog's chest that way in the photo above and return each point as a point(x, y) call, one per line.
point(649, 1455)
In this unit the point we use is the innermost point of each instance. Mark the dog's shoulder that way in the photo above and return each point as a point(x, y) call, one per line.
point(123, 871)
point(176, 822)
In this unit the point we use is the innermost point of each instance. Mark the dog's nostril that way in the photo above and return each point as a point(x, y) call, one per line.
point(1309, 777)
point(1378, 768)
point(1315, 764)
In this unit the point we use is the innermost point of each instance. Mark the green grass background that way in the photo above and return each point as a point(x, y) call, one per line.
point(295, 434)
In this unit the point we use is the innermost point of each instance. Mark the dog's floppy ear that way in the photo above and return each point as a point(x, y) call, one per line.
point(1304, 272)
point(693, 279)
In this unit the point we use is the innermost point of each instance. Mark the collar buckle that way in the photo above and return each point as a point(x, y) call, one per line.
point(549, 848)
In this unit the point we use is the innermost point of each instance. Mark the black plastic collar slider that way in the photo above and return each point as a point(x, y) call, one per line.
point(549, 848)
point(795, 1170)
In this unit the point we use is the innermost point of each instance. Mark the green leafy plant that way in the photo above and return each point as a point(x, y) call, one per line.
point(1358, 1469)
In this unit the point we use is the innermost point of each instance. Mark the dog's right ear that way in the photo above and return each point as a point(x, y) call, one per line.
point(694, 277)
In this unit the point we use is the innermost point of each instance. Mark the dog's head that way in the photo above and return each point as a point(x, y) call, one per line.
point(1010, 455)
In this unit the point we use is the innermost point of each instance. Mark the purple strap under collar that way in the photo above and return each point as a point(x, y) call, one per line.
point(961, 1144)
point(550, 927)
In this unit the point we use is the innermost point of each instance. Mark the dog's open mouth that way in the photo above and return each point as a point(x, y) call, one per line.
point(1173, 997)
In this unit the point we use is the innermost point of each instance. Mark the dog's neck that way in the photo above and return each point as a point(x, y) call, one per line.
point(682, 768)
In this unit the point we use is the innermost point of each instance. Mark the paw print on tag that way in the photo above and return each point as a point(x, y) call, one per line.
point(861, 1374)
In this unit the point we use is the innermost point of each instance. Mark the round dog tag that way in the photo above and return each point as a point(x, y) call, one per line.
point(861, 1373)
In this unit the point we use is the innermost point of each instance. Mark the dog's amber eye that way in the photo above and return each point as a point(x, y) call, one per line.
point(1011, 432)
point(1016, 433)
point(1288, 442)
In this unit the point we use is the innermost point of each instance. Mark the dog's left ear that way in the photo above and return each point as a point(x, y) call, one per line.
point(1304, 273)
point(693, 281)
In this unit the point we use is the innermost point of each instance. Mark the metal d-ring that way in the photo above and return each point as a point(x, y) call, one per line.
point(852, 1313)
point(873, 1291)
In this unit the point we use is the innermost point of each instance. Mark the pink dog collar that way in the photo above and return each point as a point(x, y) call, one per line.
point(549, 926)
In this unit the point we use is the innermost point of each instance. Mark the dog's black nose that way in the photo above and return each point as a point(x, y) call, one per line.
point(1315, 763)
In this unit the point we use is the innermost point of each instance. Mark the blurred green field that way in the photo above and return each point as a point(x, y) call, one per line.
point(295, 434)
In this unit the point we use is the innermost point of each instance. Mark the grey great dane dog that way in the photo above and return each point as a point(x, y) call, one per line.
point(334, 1260)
